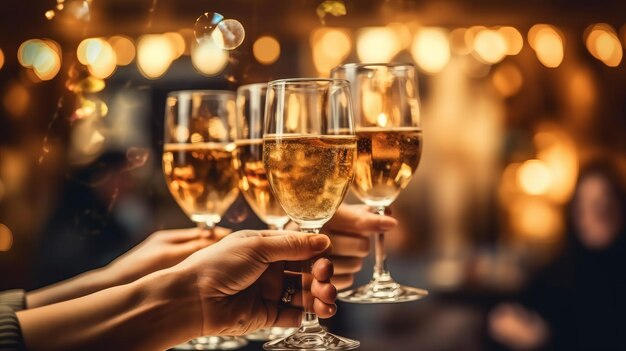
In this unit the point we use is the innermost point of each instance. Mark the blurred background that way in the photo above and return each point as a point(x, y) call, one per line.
point(514, 220)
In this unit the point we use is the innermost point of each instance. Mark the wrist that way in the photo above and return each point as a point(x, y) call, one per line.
point(172, 294)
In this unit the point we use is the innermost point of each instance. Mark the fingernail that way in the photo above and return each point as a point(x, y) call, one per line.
point(319, 242)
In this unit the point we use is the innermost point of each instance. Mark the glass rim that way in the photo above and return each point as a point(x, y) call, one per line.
point(296, 81)
point(204, 92)
point(373, 64)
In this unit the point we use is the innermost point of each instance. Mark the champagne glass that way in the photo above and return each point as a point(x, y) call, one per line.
point(199, 163)
point(309, 149)
point(253, 182)
point(386, 110)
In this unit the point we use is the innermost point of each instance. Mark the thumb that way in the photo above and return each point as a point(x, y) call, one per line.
point(290, 246)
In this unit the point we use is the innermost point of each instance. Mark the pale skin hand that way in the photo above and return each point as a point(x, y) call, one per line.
point(517, 327)
point(162, 249)
point(230, 288)
point(349, 230)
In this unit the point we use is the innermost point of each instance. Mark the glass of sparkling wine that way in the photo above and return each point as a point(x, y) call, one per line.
point(309, 149)
point(200, 167)
point(253, 182)
point(386, 114)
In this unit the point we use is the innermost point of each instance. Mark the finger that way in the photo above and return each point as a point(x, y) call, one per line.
point(185, 249)
point(342, 282)
point(358, 219)
point(288, 317)
point(180, 235)
point(349, 245)
point(324, 310)
point(322, 269)
point(274, 246)
point(346, 265)
point(324, 292)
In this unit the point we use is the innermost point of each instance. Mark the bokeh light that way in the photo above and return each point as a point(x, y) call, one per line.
point(266, 50)
point(457, 42)
point(178, 43)
point(536, 219)
point(602, 42)
point(6, 238)
point(330, 46)
point(16, 99)
point(490, 46)
point(99, 57)
point(154, 55)
point(431, 49)
point(557, 150)
point(124, 49)
point(42, 56)
point(548, 44)
point(208, 58)
point(377, 44)
point(513, 38)
point(507, 79)
point(534, 177)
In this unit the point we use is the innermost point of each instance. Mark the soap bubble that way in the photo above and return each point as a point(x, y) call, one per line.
point(228, 34)
point(206, 24)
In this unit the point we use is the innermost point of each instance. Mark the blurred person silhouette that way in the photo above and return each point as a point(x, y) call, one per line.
point(579, 301)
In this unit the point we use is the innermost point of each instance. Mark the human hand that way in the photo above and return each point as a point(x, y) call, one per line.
point(241, 279)
point(350, 230)
point(162, 249)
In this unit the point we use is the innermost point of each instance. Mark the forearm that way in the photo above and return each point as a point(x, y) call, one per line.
point(84, 284)
point(155, 312)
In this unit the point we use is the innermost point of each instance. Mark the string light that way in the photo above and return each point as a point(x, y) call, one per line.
point(548, 44)
point(155, 54)
point(602, 42)
point(266, 50)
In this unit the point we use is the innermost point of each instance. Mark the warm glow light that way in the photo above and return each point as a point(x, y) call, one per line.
point(377, 44)
point(16, 99)
point(490, 46)
point(178, 43)
point(42, 56)
point(470, 34)
point(155, 54)
point(548, 44)
point(266, 50)
point(457, 42)
point(208, 58)
point(534, 177)
point(603, 43)
point(124, 49)
point(330, 46)
point(507, 79)
point(431, 49)
point(189, 37)
point(513, 38)
point(402, 32)
point(558, 152)
point(382, 120)
point(6, 238)
point(536, 219)
point(98, 55)
point(1, 58)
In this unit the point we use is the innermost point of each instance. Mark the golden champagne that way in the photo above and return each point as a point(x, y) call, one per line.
point(202, 177)
point(386, 161)
point(254, 185)
point(309, 174)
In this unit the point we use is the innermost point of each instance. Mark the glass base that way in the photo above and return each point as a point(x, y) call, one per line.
point(318, 340)
point(213, 343)
point(382, 290)
point(270, 333)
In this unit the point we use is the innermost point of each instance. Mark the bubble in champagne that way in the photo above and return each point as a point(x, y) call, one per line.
point(206, 24)
point(50, 14)
point(228, 34)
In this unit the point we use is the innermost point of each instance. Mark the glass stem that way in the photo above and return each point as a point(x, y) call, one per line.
point(380, 266)
point(310, 322)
